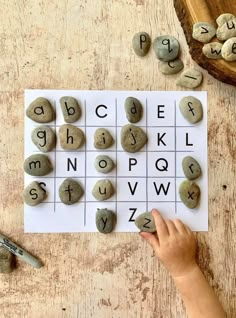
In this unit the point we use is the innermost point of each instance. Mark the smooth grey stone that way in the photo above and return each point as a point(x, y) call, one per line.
point(41, 111)
point(166, 48)
point(189, 193)
point(203, 32)
point(145, 222)
point(103, 190)
point(70, 109)
point(212, 50)
point(71, 137)
point(141, 43)
point(103, 164)
point(133, 109)
point(190, 78)
point(102, 139)
point(227, 30)
point(171, 67)
point(6, 261)
point(191, 108)
point(70, 191)
point(44, 138)
point(133, 138)
point(37, 165)
point(34, 194)
point(229, 50)
point(105, 220)
point(223, 18)
point(191, 168)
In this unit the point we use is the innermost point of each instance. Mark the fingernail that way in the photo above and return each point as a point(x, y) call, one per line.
point(155, 211)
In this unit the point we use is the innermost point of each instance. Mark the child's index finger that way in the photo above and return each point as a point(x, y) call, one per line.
point(161, 227)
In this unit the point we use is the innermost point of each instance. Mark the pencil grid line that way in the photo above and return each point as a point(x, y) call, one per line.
point(146, 157)
point(109, 150)
point(119, 126)
point(175, 162)
point(55, 159)
point(120, 201)
point(85, 183)
point(116, 154)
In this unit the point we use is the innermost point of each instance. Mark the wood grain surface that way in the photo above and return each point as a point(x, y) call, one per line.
point(192, 11)
point(75, 44)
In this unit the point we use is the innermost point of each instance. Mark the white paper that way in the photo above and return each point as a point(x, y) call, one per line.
point(53, 216)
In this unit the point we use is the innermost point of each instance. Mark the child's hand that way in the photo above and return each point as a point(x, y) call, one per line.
point(174, 245)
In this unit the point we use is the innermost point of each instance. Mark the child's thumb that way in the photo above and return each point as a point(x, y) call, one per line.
point(151, 239)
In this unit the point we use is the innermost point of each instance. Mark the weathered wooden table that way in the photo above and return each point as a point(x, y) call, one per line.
point(76, 44)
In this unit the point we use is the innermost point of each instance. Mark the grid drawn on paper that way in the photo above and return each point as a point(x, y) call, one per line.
point(86, 205)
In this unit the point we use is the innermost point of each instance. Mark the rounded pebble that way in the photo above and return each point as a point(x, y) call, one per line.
point(105, 220)
point(6, 261)
point(171, 67)
point(191, 108)
point(212, 50)
point(103, 190)
point(70, 191)
point(103, 164)
point(223, 18)
point(190, 78)
point(102, 139)
point(37, 165)
point(40, 111)
point(71, 137)
point(133, 138)
point(189, 193)
point(133, 109)
point(141, 43)
point(203, 32)
point(70, 109)
point(34, 194)
point(229, 50)
point(166, 48)
point(227, 30)
point(44, 138)
point(191, 168)
point(145, 222)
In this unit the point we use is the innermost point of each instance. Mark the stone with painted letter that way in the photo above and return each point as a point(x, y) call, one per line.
point(191, 108)
point(171, 67)
point(102, 139)
point(226, 30)
point(71, 137)
point(212, 50)
point(223, 18)
point(190, 78)
point(191, 168)
point(229, 50)
point(141, 43)
point(103, 190)
point(133, 109)
point(103, 164)
point(70, 191)
point(133, 138)
point(166, 48)
point(145, 222)
point(44, 138)
point(203, 32)
point(70, 109)
point(6, 261)
point(38, 165)
point(189, 193)
point(41, 111)
point(105, 220)
point(34, 194)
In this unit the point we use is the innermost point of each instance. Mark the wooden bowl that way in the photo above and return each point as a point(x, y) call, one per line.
point(192, 11)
